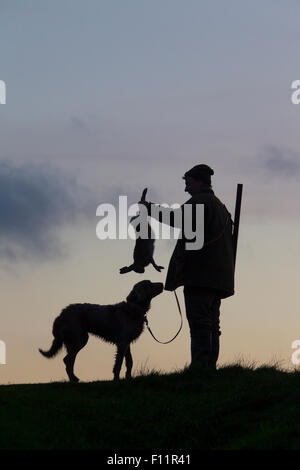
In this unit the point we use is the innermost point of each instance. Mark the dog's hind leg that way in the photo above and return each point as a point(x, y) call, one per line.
point(73, 348)
point(121, 351)
point(69, 360)
point(129, 363)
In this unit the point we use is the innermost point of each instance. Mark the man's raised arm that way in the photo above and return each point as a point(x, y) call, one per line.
point(165, 215)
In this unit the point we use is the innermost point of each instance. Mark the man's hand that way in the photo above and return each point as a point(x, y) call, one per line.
point(146, 203)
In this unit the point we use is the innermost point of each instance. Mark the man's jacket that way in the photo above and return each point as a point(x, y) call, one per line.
point(212, 266)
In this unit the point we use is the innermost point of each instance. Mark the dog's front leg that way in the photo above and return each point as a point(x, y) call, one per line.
point(129, 363)
point(121, 351)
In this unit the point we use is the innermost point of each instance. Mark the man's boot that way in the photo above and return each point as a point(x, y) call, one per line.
point(215, 349)
point(201, 349)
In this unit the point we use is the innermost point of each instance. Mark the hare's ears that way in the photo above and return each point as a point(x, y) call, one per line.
point(144, 194)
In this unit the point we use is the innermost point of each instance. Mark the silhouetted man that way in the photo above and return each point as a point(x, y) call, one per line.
point(207, 274)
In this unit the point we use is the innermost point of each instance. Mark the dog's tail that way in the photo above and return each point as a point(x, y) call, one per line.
point(57, 343)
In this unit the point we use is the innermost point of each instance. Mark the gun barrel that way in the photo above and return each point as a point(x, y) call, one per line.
point(237, 213)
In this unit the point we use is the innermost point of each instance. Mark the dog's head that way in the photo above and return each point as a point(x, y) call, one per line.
point(144, 291)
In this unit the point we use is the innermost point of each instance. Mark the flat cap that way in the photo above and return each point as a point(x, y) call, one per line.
point(199, 172)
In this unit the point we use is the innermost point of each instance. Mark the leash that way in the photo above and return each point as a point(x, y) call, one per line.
point(166, 342)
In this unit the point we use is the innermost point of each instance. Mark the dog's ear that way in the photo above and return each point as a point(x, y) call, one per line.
point(136, 295)
point(133, 296)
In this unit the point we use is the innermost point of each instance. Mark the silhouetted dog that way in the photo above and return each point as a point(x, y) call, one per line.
point(120, 324)
point(143, 250)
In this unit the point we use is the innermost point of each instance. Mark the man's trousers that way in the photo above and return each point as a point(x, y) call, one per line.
point(203, 315)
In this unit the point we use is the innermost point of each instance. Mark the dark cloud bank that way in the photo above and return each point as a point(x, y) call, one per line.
point(281, 162)
point(35, 200)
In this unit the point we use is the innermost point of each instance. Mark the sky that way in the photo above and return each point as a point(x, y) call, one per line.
point(107, 98)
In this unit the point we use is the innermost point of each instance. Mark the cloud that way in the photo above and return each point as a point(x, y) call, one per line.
point(281, 162)
point(78, 125)
point(36, 200)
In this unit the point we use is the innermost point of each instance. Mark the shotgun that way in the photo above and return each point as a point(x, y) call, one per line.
point(237, 213)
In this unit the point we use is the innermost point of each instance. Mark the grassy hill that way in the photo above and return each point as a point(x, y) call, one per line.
point(233, 408)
